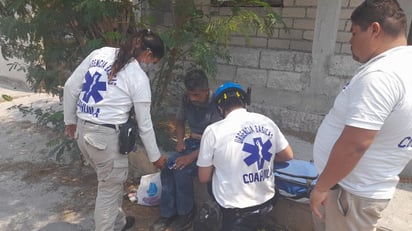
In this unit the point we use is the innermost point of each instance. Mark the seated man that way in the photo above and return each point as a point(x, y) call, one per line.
point(198, 109)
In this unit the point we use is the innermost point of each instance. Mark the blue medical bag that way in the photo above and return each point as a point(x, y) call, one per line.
point(295, 179)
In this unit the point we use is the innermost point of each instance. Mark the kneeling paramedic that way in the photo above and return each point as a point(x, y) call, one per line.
point(237, 154)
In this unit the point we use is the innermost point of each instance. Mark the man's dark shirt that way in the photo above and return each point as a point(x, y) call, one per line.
point(198, 117)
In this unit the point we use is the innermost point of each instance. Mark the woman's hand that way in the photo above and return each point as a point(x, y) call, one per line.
point(161, 162)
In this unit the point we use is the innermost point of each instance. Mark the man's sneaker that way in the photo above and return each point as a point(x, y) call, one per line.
point(183, 222)
point(162, 223)
point(129, 223)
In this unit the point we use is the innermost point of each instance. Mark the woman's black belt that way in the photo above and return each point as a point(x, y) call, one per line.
point(104, 125)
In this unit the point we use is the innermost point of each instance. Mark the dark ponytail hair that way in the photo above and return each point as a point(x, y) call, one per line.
point(141, 41)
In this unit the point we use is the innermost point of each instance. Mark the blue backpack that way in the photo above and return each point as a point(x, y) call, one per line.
point(295, 179)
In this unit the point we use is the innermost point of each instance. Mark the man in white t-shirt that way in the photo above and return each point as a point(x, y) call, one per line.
point(239, 152)
point(364, 141)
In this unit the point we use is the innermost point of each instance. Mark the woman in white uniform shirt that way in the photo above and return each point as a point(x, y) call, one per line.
point(98, 97)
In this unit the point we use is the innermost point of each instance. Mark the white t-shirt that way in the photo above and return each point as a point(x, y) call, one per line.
point(89, 96)
point(379, 97)
point(242, 148)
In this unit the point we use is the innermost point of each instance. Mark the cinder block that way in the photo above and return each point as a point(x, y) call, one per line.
point(345, 13)
point(306, 24)
point(343, 37)
point(348, 25)
point(279, 43)
point(305, 2)
point(245, 57)
point(277, 60)
point(308, 35)
point(311, 13)
point(346, 49)
point(285, 80)
point(291, 34)
point(258, 42)
point(225, 72)
point(252, 77)
point(303, 61)
point(338, 48)
point(287, 21)
point(342, 65)
point(288, 2)
point(342, 25)
point(301, 45)
point(293, 12)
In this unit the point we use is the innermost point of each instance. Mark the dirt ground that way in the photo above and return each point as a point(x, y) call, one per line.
point(38, 193)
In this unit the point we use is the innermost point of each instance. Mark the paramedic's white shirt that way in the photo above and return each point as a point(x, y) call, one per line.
point(109, 103)
point(242, 149)
point(89, 96)
point(379, 97)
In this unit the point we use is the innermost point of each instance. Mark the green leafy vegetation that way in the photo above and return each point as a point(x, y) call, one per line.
point(52, 37)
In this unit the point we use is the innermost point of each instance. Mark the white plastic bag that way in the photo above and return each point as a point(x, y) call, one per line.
point(149, 190)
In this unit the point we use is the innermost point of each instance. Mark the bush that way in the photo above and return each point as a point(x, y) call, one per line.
point(53, 36)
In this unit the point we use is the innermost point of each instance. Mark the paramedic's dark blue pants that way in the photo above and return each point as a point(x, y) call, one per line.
point(246, 219)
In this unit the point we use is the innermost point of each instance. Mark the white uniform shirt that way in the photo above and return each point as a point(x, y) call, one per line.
point(242, 148)
point(379, 97)
point(89, 96)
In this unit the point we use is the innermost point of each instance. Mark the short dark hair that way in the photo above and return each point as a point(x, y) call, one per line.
point(387, 13)
point(196, 80)
point(232, 102)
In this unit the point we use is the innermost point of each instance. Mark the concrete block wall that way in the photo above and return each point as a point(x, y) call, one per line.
point(279, 80)
point(344, 34)
point(299, 16)
point(280, 68)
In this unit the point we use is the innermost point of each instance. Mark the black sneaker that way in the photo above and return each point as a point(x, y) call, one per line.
point(129, 223)
point(183, 222)
point(162, 223)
